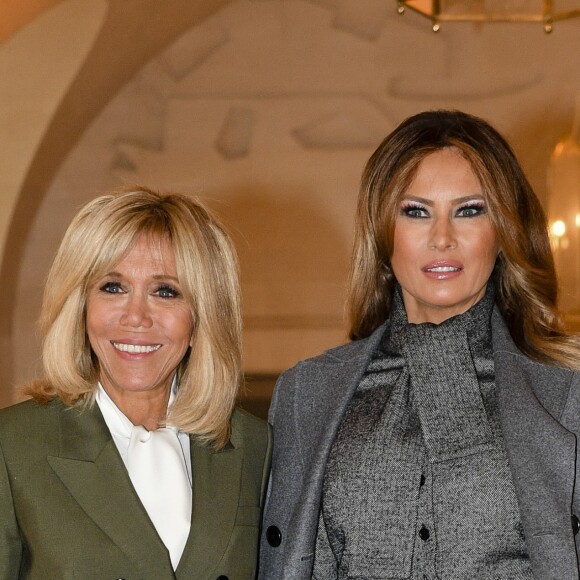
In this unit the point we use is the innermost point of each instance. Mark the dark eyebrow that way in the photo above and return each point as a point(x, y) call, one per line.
point(456, 201)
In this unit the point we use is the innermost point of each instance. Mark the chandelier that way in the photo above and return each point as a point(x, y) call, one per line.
point(540, 11)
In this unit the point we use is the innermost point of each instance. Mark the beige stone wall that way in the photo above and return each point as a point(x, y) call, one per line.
point(267, 109)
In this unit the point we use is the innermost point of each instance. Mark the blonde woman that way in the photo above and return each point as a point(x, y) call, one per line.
point(131, 461)
point(442, 442)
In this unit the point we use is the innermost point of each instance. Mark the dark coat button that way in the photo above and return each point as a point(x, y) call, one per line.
point(424, 533)
point(422, 480)
point(222, 577)
point(274, 536)
point(575, 524)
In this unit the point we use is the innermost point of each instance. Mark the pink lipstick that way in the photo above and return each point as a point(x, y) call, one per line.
point(443, 269)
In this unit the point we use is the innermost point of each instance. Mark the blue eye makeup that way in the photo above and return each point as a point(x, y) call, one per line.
point(412, 209)
point(111, 287)
point(166, 291)
point(471, 209)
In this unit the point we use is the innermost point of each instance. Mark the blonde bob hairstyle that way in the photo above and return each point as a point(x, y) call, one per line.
point(98, 237)
point(525, 278)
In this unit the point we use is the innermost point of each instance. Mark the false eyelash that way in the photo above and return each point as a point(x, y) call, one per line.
point(478, 203)
point(109, 285)
point(411, 205)
point(166, 288)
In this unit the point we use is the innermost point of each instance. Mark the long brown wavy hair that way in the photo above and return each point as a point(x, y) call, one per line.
point(526, 284)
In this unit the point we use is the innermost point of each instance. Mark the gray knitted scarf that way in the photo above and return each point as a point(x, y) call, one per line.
point(438, 362)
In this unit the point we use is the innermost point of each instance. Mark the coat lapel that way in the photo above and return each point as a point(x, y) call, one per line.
point(91, 468)
point(332, 381)
point(541, 453)
point(216, 489)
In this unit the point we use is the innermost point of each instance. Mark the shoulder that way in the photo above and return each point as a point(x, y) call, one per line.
point(507, 352)
point(29, 414)
point(300, 385)
point(554, 386)
point(344, 353)
point(248, 430)
point(30, 429)
point(253, 435)
point(350, 350)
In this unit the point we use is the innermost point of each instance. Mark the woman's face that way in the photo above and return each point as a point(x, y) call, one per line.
point(138, 322)
point(445, 246)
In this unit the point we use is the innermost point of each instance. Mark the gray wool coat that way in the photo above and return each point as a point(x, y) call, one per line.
point(540, 417)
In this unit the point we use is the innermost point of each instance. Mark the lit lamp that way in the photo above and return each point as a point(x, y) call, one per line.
point(540, 11)
point(564, 217)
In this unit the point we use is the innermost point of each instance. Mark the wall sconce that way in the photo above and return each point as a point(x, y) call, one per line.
point(540, 11)
point(564, 215)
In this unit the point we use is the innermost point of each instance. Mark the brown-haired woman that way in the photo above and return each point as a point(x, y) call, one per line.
point(131, 460)
point(442, 441)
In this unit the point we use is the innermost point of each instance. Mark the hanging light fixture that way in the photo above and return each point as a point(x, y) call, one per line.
point(540, 11)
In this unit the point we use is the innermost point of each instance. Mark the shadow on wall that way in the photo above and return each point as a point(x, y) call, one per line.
point(284, 233)
point(257, 393)
point(294, 256)
point(294, 262)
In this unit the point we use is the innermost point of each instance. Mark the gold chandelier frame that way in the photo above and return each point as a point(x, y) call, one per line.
point(436, 12)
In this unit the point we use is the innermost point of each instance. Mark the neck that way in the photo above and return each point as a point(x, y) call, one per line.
point(148, 409)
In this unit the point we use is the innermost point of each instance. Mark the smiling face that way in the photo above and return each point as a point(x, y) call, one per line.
point(444, 246)
point(138, 323)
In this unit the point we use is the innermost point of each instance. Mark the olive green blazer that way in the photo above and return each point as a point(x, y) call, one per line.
point(68, 509)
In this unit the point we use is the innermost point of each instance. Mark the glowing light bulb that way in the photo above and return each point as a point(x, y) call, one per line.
point(558, 229)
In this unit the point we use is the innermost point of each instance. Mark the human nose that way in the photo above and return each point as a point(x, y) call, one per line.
point(136, 312)
point(442, 235)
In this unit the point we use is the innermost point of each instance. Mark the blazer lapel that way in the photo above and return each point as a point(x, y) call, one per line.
point(216, 489)
point(91, 468)
point(332, 382)
point(541, 453)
